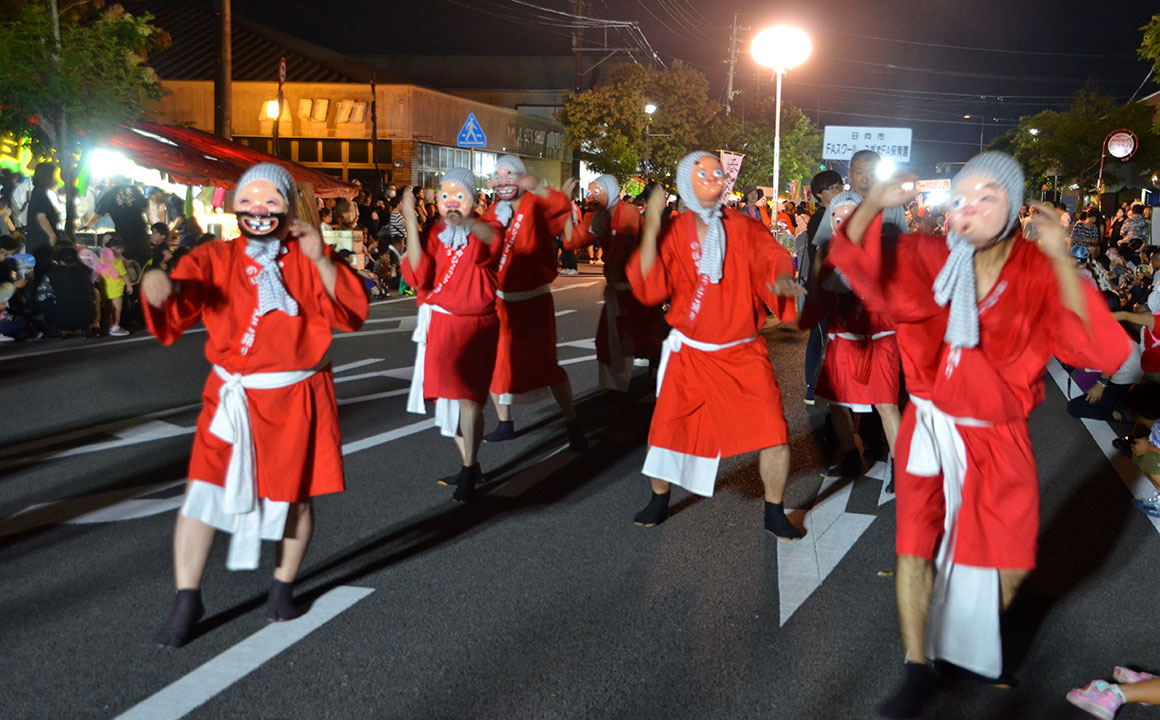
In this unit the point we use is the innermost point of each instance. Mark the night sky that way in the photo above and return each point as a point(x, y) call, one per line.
point(1051, 50)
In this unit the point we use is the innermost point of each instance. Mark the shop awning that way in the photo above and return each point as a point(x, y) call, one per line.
point(193, 157)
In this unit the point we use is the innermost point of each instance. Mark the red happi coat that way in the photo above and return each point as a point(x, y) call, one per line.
point(461, 343)
point(725, 402)
point(1022, 324)
point(640, 328)
point(526, 358)
point(296, 436)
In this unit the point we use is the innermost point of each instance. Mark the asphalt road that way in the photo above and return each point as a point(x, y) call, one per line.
point(539, 600)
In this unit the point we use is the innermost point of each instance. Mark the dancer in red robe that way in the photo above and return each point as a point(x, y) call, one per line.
point(716, 392)
point(267, 439)
point(860, 371)
point(978, 314)
point(627, 329)
point(454, 269)
point(526, 366)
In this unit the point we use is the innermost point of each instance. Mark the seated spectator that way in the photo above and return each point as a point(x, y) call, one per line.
point(326, 219)
point(371, 283)
point(66, 295)
point(1135, 227)
point(1084, 231)
point(1104, 699)
point(158, 234)
point(12, 327)
point(1105, 399)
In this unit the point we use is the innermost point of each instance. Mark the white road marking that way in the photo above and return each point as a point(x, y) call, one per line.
point(573, 286)
point(531, 476)
point(561, 313)
point(803, 565)
point(107, 506)
point(112, 428)
point(357, 364)
point(573, 361)
point(151, 433)
point(881, 471)
point(198, 687)
point(374, 396)
point(386, 437)
point(92, 345)
point(585, 344)
point(1138, 483)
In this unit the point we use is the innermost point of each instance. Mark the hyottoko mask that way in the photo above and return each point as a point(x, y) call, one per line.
point(839, 215)
point(454, 202)
point(708, 179)
point(505, 183)
point(596, 199)
point(261, 210)
point(979, 210)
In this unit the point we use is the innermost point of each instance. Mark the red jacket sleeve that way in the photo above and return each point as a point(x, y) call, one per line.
point(192, 279)
point(422, 277)
point(490, 253)
point(348, 309)
point(1099, 344)
point(771, 261)
point(652, 289)
point(557, 209)
point(582, 235)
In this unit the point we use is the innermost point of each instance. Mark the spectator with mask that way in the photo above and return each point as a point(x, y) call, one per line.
point(66, 296)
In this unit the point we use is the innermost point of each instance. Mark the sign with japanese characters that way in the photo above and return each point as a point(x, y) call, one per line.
point(840, 142)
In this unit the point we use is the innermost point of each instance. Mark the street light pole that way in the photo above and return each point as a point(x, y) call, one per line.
point(777, 149)
point(780, 48)
point(649, 109)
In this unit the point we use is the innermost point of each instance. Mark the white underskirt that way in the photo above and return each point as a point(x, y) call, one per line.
point(205, 501)
point(695, 473)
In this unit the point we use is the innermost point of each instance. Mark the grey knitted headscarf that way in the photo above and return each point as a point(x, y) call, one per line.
point(272, 293)
point(503, 208)
point(713, 249)
point(455, 236)
point(611, 188)
point(955, 284)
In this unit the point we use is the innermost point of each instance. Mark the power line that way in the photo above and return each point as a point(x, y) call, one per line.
point(960, 73)
point(979, 49)
point(934, 92)
point(995, 121)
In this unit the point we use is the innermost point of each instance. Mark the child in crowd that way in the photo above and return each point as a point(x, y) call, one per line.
point(1104, 699)
point(115, 282)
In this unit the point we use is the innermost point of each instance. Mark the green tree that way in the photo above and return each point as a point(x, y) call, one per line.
point(1071, 142)
point(607, 124)
point(801, 144)
point(1150, 46)
point(68, 78)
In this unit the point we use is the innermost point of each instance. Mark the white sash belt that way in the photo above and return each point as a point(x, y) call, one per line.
point(860, 338)
point(676, 340)
point(419, 337)
point(231, 423)
point(963, 623)
point(524, 294)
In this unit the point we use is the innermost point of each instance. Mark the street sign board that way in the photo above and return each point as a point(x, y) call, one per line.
point(731, 161)
point(471, 134)
point(923, 186)
point(1122, 144)
point(842, 141)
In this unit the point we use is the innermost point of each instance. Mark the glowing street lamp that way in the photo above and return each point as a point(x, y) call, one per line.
point(780, 48)
point(649, 109)
point(1034, 131)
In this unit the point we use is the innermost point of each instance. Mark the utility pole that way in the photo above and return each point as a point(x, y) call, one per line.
point(732, 66)
point(223, 86)
point(577, 46)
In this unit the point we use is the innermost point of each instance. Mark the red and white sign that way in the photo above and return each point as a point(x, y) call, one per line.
point(1122, 144)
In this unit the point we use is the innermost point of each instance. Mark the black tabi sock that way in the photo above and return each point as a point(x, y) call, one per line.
point(187, 610)
point(577, 442)
point(505, 431)
point(465, 486)
point(777, 523)
point(655, 512)
point(280, 602)
point(917, 689)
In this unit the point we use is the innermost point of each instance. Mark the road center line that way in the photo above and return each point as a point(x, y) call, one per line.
point(198, 687)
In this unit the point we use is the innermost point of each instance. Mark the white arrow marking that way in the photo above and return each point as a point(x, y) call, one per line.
point(198, 687)
point(1138, 484)
point(881, 471)
point(802, 566)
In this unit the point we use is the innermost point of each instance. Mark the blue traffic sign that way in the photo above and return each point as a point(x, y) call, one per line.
point(471, 134)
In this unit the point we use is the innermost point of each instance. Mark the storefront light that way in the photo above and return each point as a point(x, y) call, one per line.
point(108, 163)
point(272, 109)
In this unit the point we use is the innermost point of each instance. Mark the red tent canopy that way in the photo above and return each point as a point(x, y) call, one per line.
point(193, 157)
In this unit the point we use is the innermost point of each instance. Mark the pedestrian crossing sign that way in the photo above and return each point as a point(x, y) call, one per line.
point(471, 134)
